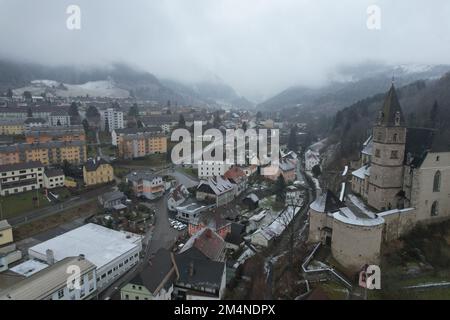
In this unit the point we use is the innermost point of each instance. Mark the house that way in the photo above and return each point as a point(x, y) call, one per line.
point(21, 177)
point(97, 171)
point(176, 197)
point(209, 243)
point(199, 277)
point(235, 238)
point(110, 200)
point(213, 221)
point(53, 178)
point(251, 201)
point(287, 169)
point(237, 176)
point(191, 211)
point(250, 170)
point(146, 184)
point(312, 159)
point(51, 283)
point(155, 281)
point(216, 190)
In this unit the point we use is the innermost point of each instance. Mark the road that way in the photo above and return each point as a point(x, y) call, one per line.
point(58, 207)
point(161, 236)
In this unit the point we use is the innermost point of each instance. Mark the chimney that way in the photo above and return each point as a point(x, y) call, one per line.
point(50, 257)
point(191, 269)
point(81, 257)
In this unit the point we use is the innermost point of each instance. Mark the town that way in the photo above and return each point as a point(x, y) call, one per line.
point(199, 153)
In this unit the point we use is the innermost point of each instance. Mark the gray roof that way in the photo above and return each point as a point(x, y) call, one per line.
point(141, 175)
point(41, 284)
point(390, 108)
point(21, 166)
point(93, 164)
point(196, 269)
point(113, 195)
point(4, 225)
point(157, 272)
point(45, 145)
point(54, 172)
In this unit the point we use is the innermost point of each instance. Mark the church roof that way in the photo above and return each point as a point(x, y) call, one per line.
point(390, 107)
point(418, 143)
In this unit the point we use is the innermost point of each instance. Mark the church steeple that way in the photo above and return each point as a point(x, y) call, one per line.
point(391, 113)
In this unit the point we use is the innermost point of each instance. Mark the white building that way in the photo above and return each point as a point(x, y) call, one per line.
point(53, 178)
point(208, 169)
point(111, 119)
point(50, 282)
point(21, 177)
point(59, 118)
point(112, 252)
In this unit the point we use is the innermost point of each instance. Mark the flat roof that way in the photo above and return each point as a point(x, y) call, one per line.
point(100, 245)
point(29, 267)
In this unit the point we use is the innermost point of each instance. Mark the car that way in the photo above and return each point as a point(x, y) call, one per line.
point(181, 228)
point(173, 223)
point(178, 223)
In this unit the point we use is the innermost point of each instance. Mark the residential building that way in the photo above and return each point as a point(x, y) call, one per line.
point(210, 220)
point(112, 199)
point(111, 119)
point(54, 178)
point(176, 197)
point(49, 153)
point(208, 169)
point(287, 169)
point(209, 243)
point(97, 171)
point(51, 282)
point(49, 134)
point(21, 177)
point(146, 184)
point(191, 211)
point(11, 127)
point(112, 252)
point(237, 176)
point(6, 235)
point(59, 118)
point(115, 134)
point(155, 281)
point(141, 144)
point(199, 277)
point(218, 190)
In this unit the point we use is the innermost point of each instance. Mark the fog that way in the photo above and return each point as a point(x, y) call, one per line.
point(257, 46)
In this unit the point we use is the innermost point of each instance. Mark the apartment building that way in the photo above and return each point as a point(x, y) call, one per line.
point(141, 144)
point(51, 282)
point(146, 184)
point(21, 177)
point(111, 119)
point(48, 134)
point(115, 134)
point(97, 171)
point(11, 127)
point(49, 153)
point(53, 178)
point(59, 118)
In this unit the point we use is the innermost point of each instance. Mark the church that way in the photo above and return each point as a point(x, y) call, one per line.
point(403, 179)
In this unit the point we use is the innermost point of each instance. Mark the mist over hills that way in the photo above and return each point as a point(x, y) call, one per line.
point(115, 81)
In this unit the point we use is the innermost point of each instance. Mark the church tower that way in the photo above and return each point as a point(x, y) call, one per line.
point(386, 171)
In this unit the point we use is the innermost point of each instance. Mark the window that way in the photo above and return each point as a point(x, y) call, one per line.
point(394, 154)
point(377, 153)
point(437, 182)
point(438, 158)
point(60, 294)
point(395, 137)
point(434, 209)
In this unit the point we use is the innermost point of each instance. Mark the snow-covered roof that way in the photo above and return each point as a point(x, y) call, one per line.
point(100, 245)
point(29, 267)
point(345, 215)
point(368, 146)
point(362, 172)
point(218, 185)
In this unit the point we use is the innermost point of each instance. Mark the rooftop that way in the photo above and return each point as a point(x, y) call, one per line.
point(100, 245)
point(208, 242)
point(21, 166)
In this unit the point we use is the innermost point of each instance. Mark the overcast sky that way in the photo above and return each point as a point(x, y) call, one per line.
point(258, 46)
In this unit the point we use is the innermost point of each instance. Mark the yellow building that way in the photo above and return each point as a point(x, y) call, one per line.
point(12, 127)
point(140, 145)
point(55, 152)
point(97, 171)
point(6, 234)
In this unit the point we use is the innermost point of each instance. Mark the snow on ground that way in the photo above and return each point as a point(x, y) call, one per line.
point(93, 89)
